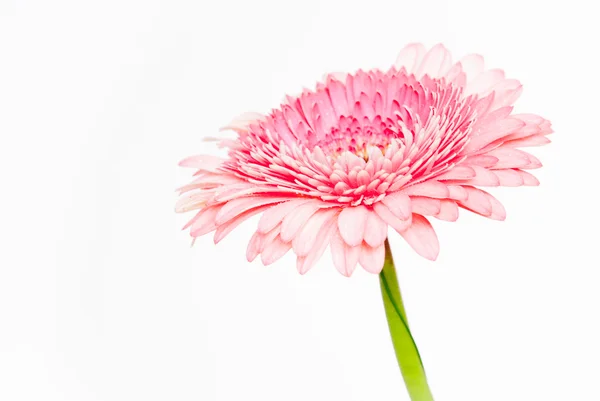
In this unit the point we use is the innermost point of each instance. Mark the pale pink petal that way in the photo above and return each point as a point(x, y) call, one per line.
point(293, 222)
point(435, 63)
point(410, 57)
point(483, 177)
point(345, 257)
point(274, 250)
point(390, 218)
point(458, 173)
point(448, 210)
point(425, 206)
point(399, 204)
point(472, 66)
point(240, 205)
point(499, 130)
point(509, 178)
point(372, 258)
point(305, 263)
point(226, 228)
point(202, 162)
point(431, 189)
point(509, 158)
point(484, 82)
point(205, 223)
point(457, 192)
point(422, 238)
point(241, 122)
point(498, 211)
point(275, 214)
point(528, 179)
point(533, 140)
point(351, 224)
point(477, 201)
point(306, 238)
point(375, 230)
point(254, 246)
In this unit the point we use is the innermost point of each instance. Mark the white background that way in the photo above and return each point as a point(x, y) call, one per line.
point(101, 296)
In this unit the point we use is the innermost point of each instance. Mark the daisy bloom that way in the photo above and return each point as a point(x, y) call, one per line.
point(338, 166)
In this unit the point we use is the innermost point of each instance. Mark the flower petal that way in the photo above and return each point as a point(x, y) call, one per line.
point(399, 204)
point(274, 250)
point(431, 189)
point(410, 57)
point(372, 258)
point(226, 228)
point(240, 205)
point(375, 230)
point(422, 238)
point(351, 224)
point(306, 238)
point(293, 222)
point(275, 214)
point(305, 263)
point(477, 201)
point(448, 210)
point(390, 218)
point(345, 257)
point(425, 206)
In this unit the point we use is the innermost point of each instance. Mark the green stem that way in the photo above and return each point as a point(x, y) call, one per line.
point(406, 350)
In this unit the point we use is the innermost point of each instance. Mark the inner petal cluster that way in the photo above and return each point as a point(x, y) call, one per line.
point(353, 140)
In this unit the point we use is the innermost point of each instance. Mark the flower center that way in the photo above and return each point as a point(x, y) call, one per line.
point(350, 135)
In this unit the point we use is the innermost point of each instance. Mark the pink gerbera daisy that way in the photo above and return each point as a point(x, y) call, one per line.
point(338, 165)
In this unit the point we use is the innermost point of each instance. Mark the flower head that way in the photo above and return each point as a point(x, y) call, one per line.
point(363, 152)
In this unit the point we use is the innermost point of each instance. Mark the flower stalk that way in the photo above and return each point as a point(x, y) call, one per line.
point(405, 347)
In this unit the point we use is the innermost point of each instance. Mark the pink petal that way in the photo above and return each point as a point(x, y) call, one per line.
point(528, 179)
point(206, 222)
point(306, 238)
point(410, 57)
point(241, 122)
point(484, 82)
point(497, 131)
point(458, 173)
point(457, 192)
point(533, 140)
point(254, 246)
point(448, 210)
point(484, 177)
point(482, 160)
point(305, 263)
point(390, 218)
point(498, 211)
point(472, 66)
point(510, 158)
point(477, 201)
point(422, 238)
point(372, 258)
point(226, 228)
point(430, 189)
point(274, 250)
point(275, 215)
point(345, 257)
point(375, 230)
point(399, 204)
point(509, 178)
point(240, 205)
point(295, 220)
point(351, 224)
point(435, 63)
point(202, 162)
point(425, 206)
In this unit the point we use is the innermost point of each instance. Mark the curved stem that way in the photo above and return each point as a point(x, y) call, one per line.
point(406, 350)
